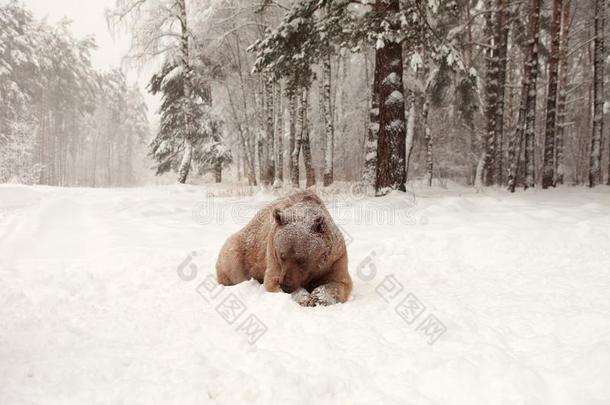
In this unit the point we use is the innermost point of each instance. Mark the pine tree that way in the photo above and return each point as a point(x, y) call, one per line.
point(151, 26)
point(303, 38)
point(391, 169)
point(185, 164)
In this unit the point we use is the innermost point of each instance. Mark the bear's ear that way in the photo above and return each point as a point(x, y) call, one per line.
point(277, 216)
point(319, 224)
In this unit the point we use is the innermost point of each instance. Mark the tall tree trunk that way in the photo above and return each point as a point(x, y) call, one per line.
point(563, 87)
point(300, 124)
point(187, 157)
point(526, 120)
point(548, 170)
point(250, 159)
point(530, 115)
point(329, 136)
point(491, 95)
point(269, 133)
point(372, 135)
point(503, 29)
point(391, 171)
point(410, 132)
point(239, 161)
point(292, 113)
point(428, 140)
point(260, 152)
point(249, 153)
point(595, 172)
point(218, 171)
point(310, 174)
point(279, 138)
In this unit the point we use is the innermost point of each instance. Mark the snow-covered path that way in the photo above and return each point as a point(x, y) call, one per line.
point(96, 305)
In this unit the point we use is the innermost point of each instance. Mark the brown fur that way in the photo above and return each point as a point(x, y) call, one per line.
point(291, 245)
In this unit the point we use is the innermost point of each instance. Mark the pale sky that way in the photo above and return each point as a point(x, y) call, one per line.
point(88, 18)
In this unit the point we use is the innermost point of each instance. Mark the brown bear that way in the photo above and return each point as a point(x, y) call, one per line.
point(292, 245)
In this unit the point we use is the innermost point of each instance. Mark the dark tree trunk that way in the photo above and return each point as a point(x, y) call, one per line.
point(503, 29)
point(268, 152)
point(260, 152)
point(391, 171)
point(563, 87)
point(491, 96)
point(548, 170)
point(595, 172)
point(527, 111)
point(530, 116)
point(218, 171)
point(428, 140)
point(310, 174)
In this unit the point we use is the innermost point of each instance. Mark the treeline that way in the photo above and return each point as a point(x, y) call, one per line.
point(62, 122)
point(492, 92)
point(484, 92)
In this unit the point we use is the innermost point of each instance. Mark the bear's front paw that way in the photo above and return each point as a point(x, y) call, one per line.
point(321, 296)
point(272, 285)
point(301, 296)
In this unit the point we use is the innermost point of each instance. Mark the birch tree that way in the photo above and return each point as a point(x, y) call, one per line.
point(279, 137)
point(329, 133)
point(151, 24)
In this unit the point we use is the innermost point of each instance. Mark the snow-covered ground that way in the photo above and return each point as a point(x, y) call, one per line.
point(103, 301)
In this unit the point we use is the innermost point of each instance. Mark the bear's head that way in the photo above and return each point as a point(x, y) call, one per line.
point(300, 242)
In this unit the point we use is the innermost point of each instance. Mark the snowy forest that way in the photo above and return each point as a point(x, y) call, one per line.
point(303, 92)
point(254, 202)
